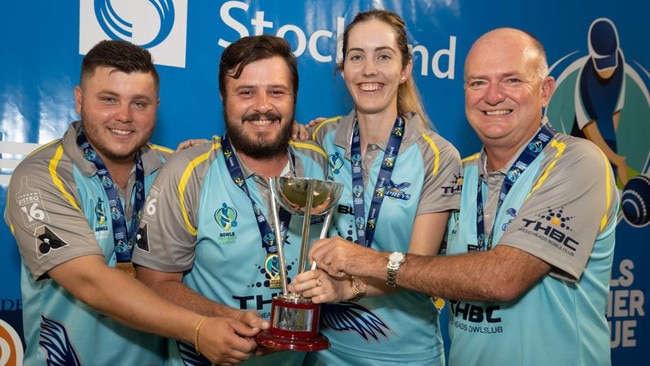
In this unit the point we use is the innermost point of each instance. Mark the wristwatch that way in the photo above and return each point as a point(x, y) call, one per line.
point(395, 259)
point(359, 287)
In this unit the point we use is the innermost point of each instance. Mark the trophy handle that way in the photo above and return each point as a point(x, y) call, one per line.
point(304, 242)
point(326, 223)
point(279, 239)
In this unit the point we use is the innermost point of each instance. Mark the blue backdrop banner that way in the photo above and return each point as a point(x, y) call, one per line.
point(43, 43)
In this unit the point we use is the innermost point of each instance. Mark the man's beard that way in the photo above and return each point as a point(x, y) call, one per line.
point(260, 147)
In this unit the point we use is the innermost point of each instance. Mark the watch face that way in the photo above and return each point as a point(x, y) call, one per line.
point(396, 257)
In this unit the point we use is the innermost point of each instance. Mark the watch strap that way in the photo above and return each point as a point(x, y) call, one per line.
point(391, 270)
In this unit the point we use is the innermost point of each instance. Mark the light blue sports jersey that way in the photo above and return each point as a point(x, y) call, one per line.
point(400, 328)
point(562, 209)
point(204, 225)
point(69, 217)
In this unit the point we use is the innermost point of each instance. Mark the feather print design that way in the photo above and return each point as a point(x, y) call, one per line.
point(189, 355)
point(56, 343)
point(349, 316)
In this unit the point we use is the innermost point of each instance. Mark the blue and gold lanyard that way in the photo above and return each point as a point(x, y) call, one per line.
point(366, 228)
point(236, 174)
point(123, 238)
point(535, 147)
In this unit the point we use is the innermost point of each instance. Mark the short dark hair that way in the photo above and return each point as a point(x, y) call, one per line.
point(254, 48)
point(122, 55)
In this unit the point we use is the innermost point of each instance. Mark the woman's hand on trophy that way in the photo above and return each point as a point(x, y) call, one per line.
point(318, 286)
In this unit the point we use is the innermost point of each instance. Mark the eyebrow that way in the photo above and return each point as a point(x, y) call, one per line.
point(263, 87)
point(381, 48)
point(500, 76)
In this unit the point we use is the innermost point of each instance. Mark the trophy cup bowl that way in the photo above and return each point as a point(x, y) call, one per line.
point(293, 193)
point(294, 319)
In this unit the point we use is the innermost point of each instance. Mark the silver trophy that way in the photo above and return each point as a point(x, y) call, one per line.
point(294, 319)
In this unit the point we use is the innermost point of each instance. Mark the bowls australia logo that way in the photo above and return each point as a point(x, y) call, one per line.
point(226, 217)
point(157, 25)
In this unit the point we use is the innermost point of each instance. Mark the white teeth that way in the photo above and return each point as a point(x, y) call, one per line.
point(498, 113)
point(369, 87)
point(262, 122)
point(121, 132)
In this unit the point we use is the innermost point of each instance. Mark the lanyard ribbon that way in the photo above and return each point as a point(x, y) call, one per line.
point(366, 228)
point(535, 147)
point(236, 174)
point(123, 238)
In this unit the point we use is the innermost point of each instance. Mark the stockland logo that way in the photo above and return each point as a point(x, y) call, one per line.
point(157, 25)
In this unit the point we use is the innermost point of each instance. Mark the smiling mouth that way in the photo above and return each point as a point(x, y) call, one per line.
point(121, 132)
point(501, 112)
point(370, 87)
point(262, 119)
point(262, 122)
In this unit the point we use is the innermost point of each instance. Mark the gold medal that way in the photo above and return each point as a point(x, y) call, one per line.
point(271, 266)
point(126, 267)
point(275, 282)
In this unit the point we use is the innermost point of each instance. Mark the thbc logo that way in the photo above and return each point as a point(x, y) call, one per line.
point(475, 313)
point(157, 25)
point(555, 226)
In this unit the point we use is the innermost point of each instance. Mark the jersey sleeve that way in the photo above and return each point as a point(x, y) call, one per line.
point(320, 130)
point(574, 200)
point(168, 228)
point(45, 213)
point(443, 179)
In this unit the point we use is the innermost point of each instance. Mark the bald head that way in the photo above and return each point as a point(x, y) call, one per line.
point(494, 44)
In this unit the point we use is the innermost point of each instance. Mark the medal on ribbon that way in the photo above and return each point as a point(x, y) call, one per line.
point(272, 268)
point(126, 267)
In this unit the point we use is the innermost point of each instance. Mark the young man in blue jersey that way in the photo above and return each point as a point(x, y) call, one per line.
point(529, 254)
point(74, 207)
point(207, 233)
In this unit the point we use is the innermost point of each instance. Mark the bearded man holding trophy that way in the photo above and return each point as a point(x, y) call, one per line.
point(214, 239)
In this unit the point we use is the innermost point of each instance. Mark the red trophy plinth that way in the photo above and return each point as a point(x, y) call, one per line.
point(294, 325)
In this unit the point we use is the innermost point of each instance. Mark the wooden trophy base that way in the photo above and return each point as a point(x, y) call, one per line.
point(294, 326)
